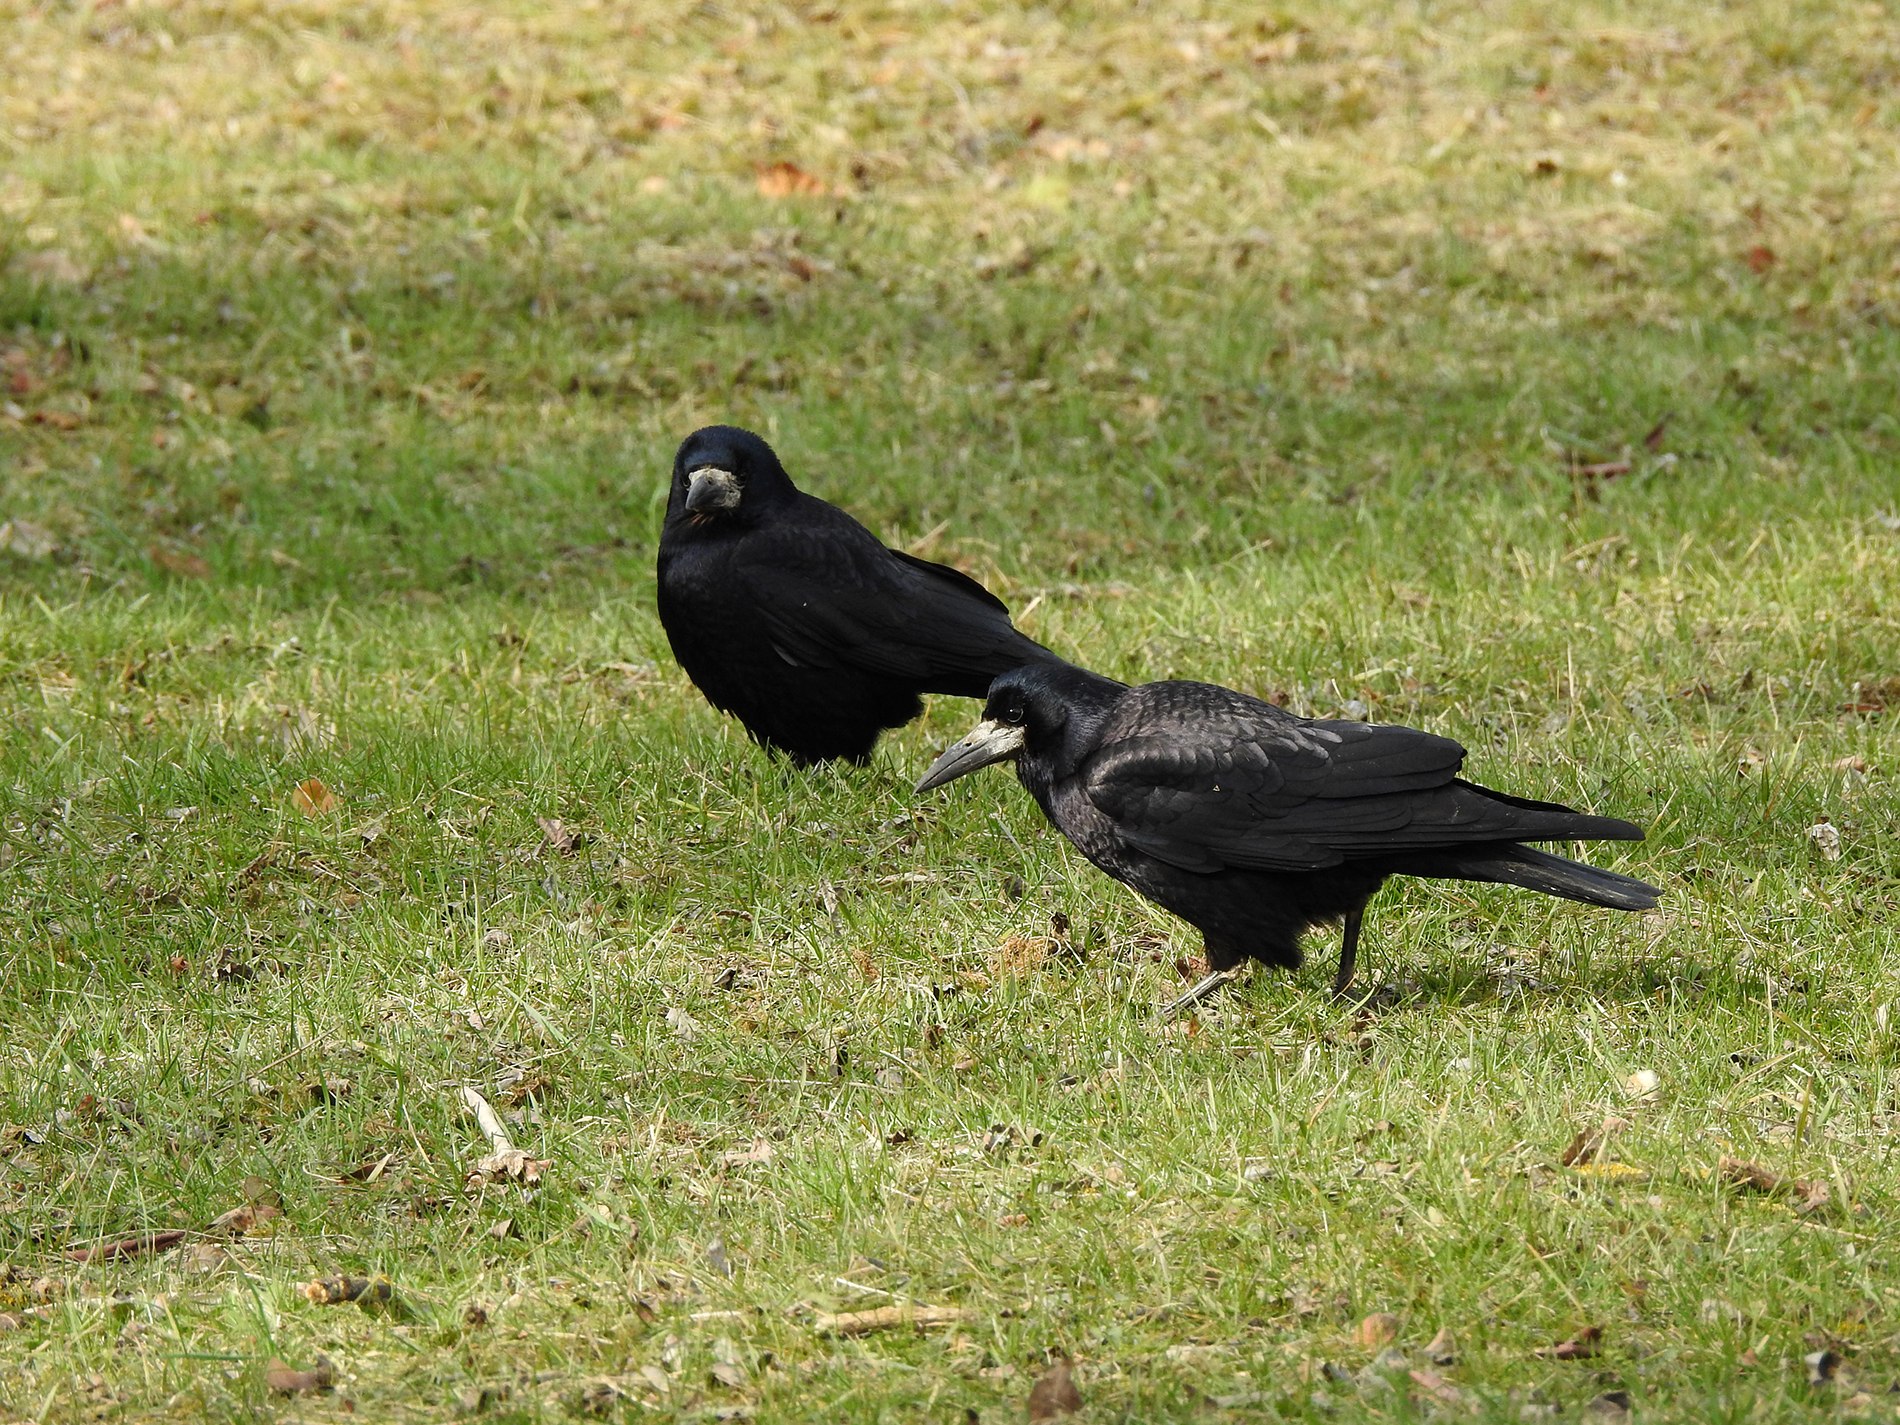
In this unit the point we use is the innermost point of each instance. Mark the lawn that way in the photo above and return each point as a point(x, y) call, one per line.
point(1522, 372)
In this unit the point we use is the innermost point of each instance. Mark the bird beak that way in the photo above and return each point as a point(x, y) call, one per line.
point(710, 490)
point(988, 742)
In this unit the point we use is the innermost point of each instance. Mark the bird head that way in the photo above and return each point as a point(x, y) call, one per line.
point(724, 474)
point(1026, 712)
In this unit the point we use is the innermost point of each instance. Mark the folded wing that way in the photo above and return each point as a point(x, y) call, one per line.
point(1205, 778)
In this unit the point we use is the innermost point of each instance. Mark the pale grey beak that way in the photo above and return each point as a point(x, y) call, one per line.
point(989, 741)
point(710, 490)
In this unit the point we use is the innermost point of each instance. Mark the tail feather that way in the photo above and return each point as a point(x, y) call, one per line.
point(1514, 865)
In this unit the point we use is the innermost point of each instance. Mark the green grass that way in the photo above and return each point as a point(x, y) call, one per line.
point(343, 352)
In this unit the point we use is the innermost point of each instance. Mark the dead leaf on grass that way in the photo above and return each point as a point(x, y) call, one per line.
point(312, 798)
point(1055, 1394)
point(1442, 1349)
point(181, 562)
point(562, 839)
point(242, 1221)
point(1580, 1347)
point(509, 1166)
point(367, 1292)
point(1759, 259)
point(1826, 838)
point(788, 180)
point(1750, 1177)
point(1591, 1142)
point(284, 1379)
point(1438, 1388)
point(1381, 1328)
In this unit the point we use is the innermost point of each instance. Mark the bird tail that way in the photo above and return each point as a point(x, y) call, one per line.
point(1513, 865)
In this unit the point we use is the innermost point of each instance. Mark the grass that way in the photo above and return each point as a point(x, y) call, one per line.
point(344, 350)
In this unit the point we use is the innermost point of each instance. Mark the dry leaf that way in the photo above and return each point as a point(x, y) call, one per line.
point(1442, 1349)
point(284, 1380)
point(312, 798)
point(509, 1165)
point(242, 1220)
point(885, 1318)
point(1055, 1394)
point(57, 419)
point(1580, 1347)
point(563, 839)
point(181, 562)
point(1381, 1328)
point(1759, 259)
point(367, 1292)
point(1750, 1177)
point(1826, 838)
point(1438, 1388)
point(786, 180)
point(760, 1152)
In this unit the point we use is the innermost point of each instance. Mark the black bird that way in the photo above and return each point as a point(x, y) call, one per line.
point(1255, 825)
point(793, 617)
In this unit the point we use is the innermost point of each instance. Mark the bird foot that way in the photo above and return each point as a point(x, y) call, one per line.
point(1206, 986)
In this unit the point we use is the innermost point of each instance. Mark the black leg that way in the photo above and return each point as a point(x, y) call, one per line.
point(1203, 988)
point(1348, 954)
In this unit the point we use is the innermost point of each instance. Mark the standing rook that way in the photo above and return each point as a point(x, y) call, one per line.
point(793, 617)
point(1255, 825)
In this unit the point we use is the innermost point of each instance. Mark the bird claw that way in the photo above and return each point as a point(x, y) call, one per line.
point(1203, 988)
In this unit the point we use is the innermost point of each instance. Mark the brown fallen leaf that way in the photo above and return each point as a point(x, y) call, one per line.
point(1437, 1387)
point(1381, 1328)
point(138, 1245)
point(284, 1379)
point(760, 1151)
point(886, 1318)
point(366, 1292)
point(1749, 1177)
point(242, 1220)
point(787, 180)
point(512, 1165)
point(562, 839)
point(312, 798)
point(1579, 1347)
point(181, 562)
point(1759, 259)
point(1054, 1395)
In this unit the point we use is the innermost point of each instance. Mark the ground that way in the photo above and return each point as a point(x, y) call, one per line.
point(1523, 372)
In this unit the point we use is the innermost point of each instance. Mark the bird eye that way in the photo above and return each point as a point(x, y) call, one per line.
point(1012, 712)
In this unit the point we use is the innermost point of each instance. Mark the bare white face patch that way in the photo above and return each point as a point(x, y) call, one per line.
point(710, 490)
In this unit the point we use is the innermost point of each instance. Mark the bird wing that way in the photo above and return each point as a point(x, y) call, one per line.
point(834, 597)
point(1205, 778)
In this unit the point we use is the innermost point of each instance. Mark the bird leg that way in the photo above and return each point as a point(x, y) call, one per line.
point(1205, 987)
point(1348, 954)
